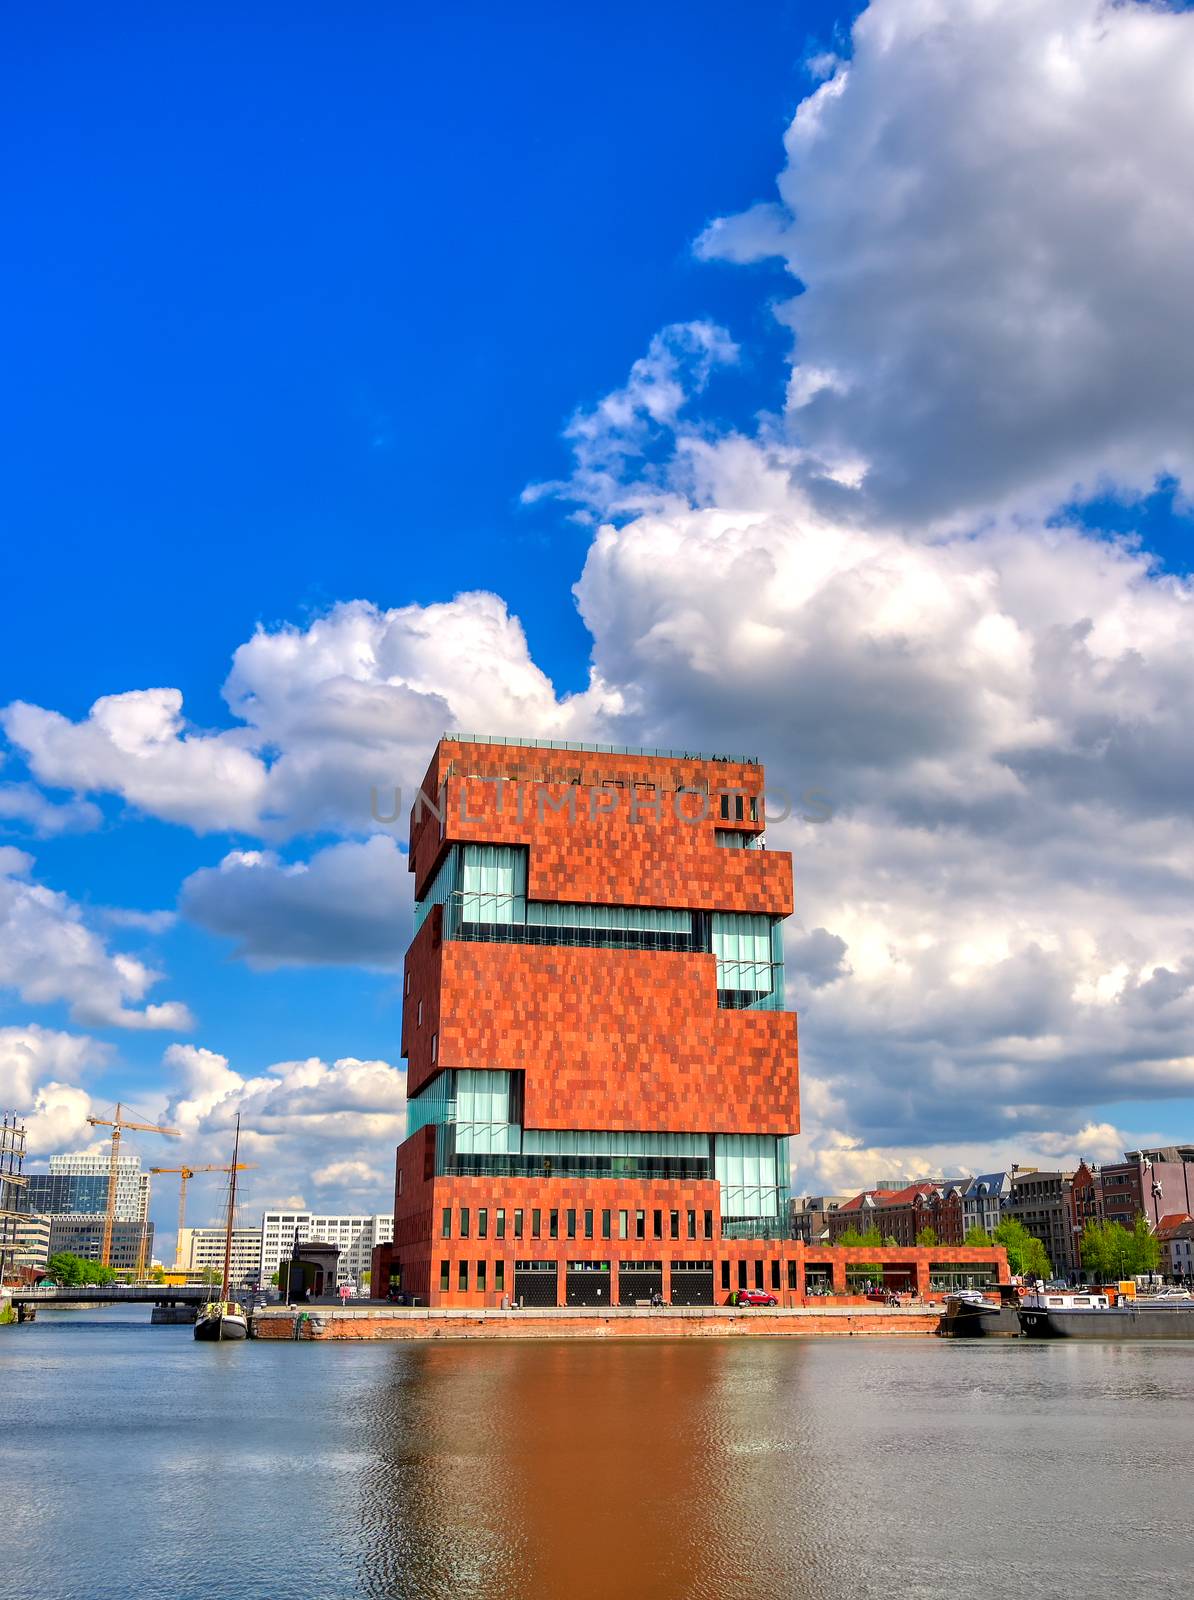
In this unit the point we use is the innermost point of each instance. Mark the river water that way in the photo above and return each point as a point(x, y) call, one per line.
point(139, 1464)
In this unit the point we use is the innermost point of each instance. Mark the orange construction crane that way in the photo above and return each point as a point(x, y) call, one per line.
point(117, 1125)
point(185, 1174)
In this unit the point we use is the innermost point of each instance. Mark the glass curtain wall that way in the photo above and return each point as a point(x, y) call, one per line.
point(483, 889)
point(753, 1172)
point(749, 955)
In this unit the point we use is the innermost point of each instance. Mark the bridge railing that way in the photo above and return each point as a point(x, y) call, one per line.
point(132, 1293)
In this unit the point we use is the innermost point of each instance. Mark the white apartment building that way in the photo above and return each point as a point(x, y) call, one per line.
point(202, 1250)
point(29, 1242)
point(355, 1236)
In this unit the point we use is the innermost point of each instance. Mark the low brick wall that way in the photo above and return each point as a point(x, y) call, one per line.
point(391, 1322)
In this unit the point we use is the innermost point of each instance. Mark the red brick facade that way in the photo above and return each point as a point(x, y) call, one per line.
point(602, 1041)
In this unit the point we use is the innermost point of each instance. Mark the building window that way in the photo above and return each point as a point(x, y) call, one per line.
point(725, 1274)
point(623, 1224)
point(791, 1275)
point(482, 1222)
point(657, 1219)
point(588, 1224)
point(775, 1274)
point(553, 1223)
point(518, 1222)
point(499, 1275)
point(675, 1224)
point(499, 1223)
point(445, 1231)
point(462, 1277)
point(640, 1224)
point(606, 1219)
point(691, 1224)
point(408, 983)
point(464, 1222)
point(434, 1047)
point(758, 1274)
point(742, 1274)
point(536, 1221)
point(708, 1224)
point(571, 1224)
point(399, 1180)
point(443, 1277)
point(480, 1277)
point(419, 1016)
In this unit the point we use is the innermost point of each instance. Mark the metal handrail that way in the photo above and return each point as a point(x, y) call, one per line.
point(595, 749)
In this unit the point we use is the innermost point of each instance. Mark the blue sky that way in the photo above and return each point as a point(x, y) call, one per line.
point(300, 304)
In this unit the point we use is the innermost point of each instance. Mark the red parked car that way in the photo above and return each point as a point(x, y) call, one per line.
point(752, 1297)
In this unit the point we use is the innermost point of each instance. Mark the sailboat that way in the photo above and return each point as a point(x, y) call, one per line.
point(224, 1318)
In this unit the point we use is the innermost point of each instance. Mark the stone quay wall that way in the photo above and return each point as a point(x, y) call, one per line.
point(668, 1322)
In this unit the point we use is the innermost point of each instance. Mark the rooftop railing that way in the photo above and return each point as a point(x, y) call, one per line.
point(598, 749)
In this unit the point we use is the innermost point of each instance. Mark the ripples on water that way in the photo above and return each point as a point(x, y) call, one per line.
point(139, 1464)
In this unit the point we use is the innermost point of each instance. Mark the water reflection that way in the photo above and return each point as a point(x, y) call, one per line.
point(142, 1464)
point(805, 1470)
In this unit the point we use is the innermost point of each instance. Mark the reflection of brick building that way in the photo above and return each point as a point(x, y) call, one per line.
point(602, 1077)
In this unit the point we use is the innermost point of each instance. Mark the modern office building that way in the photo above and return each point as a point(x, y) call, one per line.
point(355, 1236)
point(78, 1184)
point(601, 1069)
point(602, 1074)
point(84, 1236)
point(201, 1250)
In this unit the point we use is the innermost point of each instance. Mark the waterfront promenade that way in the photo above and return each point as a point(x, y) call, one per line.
point(420, 1323)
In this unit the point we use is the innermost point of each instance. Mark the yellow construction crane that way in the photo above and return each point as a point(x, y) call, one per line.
point(185, 1174)
point(117, 1125)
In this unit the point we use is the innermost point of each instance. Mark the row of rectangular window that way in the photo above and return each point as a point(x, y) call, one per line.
point(758, 1275)
point(586, 1220)
point(499, 1275)
point(480, 1280)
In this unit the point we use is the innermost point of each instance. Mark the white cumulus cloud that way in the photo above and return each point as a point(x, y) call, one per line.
point(49, 954)
point(990, 209)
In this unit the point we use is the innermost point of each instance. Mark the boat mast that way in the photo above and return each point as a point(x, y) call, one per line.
point(231, 1212)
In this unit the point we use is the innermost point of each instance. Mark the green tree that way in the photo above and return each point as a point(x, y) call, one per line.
point(212, 1276)
point(1025, 1253)
point(927, 1236)
point(71, 1270)
point(1110, 1251)
point(1107, 1249)
point(1146, 1247)
point(65, 1269)
point(978, 1237)
point(854, 1240)
point(872, 1239)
